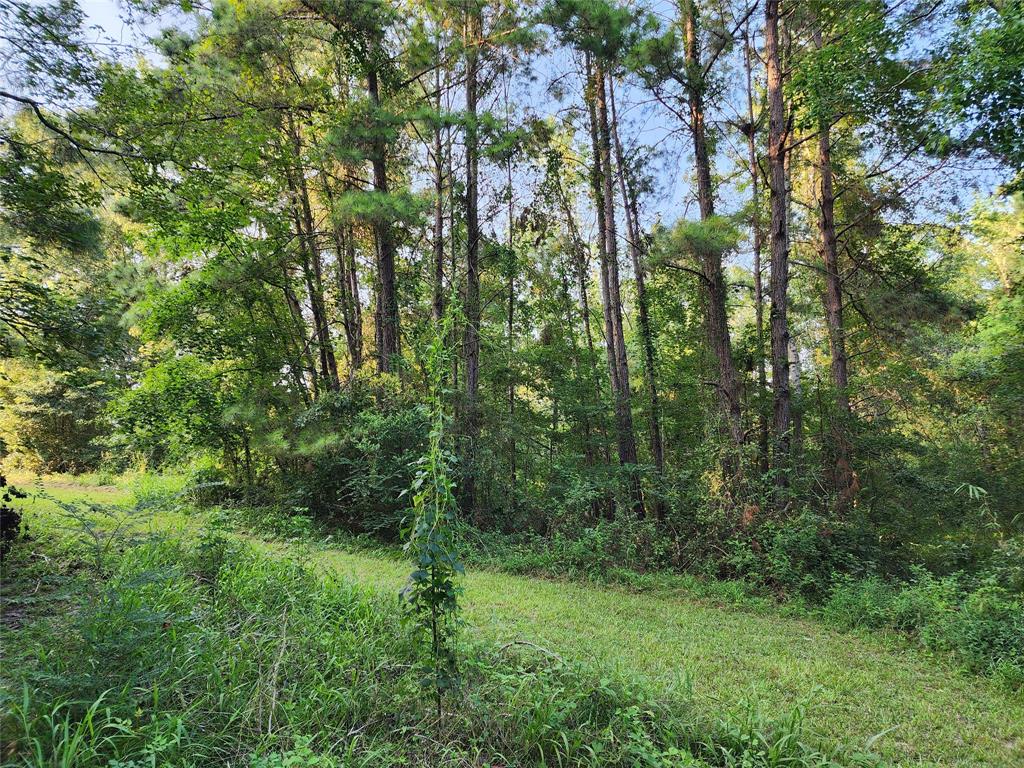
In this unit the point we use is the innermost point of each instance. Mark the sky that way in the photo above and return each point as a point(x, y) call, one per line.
point(106, 16)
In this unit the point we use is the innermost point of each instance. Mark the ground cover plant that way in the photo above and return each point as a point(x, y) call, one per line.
point(973, 622)
point(711, 662)
point(165, 651)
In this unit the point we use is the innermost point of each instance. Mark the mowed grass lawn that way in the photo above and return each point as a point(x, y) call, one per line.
point(857, 689)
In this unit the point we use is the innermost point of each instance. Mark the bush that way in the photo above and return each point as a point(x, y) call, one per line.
point(354, 459)
point(986, 631)
point(982, 626)
point(799, 556)
point(206, 484)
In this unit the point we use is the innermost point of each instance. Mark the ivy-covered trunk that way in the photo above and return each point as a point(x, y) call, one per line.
point(779, 248)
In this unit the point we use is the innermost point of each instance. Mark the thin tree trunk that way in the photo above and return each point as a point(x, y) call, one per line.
point(454, 255)
point(511, 341)
point(312, 264)
point(346, 283)
point(299, 323)
point(328, 372)
point(795, 375)
point(755, 226)
point(471, 338)
point(437, 305)
point(348, 297)
point(636, 252)
point(584, 417)
point(779, 248)
point(616, 343)
point(580, 266)
point(387, 328)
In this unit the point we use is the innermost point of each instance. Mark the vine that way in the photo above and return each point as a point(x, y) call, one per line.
point(431, 593)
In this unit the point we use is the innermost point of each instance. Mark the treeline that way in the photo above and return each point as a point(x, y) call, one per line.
point(232, 254)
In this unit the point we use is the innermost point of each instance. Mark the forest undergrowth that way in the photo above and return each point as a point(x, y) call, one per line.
point(160, 642)
point(163, 650)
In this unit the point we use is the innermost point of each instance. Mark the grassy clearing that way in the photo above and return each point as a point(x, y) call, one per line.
point(188, 651)
point(854, 686)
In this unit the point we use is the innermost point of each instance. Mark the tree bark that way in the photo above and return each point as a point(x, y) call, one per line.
point(716, 316)
point(840, 472)
point(437, 304)
point(471, 338)
point(779, 249)
point(387, 328)
point(611, 291)
point(757, 236)
point(510, 331)
point(636, 252)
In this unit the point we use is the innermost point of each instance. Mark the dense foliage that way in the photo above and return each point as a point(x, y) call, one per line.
point(740, 288)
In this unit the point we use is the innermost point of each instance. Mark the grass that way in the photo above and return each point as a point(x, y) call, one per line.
point(186, 652)
point(857, 688)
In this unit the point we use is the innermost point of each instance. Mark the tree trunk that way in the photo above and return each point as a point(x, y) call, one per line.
point(454, 256)
point(346, 280)
point(511, 341)
point(437, 305)
point(755, 226)
point(716, 316)
point(779, 248)
point(636, 252)
point(610, 288)
point(387, 329)
point(841, 472)
point(312, 263)
point(796, 370)
point(299, 324)
point(580, 267)
point(471, 338)
point(348, 295)
point(583, 416)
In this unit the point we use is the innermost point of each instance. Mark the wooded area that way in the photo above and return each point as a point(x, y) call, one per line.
point(733, 289)
point(240, 246)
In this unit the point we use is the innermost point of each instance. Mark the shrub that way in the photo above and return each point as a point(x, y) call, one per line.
point(207, 484)
point(799, 556)
point(355, 459)
point(986, 631)
point(983, 626)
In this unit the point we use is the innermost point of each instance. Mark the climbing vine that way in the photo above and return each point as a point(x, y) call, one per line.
point(431, 594)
